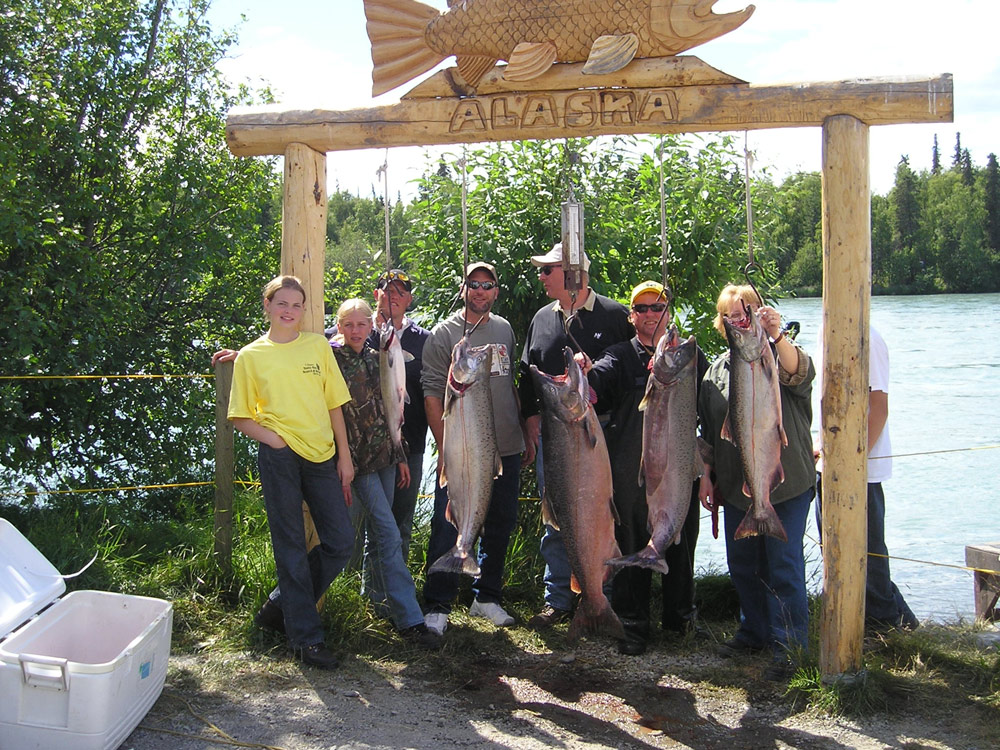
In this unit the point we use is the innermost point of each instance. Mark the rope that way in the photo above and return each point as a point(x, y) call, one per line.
point(223, 739)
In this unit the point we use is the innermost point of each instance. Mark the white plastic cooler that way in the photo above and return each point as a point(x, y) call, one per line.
point(77, 672)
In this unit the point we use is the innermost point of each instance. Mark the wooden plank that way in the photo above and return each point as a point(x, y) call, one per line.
point(224, 469)
point(985, 557)
point(571, 112)
point(844, 398)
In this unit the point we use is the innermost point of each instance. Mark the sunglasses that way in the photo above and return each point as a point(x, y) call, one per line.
point(656, 307)
point(546, 270)
point(487, 285)
point(389, 276)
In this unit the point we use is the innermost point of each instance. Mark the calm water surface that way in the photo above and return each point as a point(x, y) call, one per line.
point(944, 394)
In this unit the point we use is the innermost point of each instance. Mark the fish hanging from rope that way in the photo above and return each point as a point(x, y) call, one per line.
point(409, 38)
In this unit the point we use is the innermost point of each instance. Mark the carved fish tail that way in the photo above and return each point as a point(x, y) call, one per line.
point(399, 52)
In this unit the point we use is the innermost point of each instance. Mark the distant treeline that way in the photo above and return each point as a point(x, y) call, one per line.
point(935, 231)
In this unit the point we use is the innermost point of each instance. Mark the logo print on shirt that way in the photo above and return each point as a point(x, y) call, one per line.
point(310, 368)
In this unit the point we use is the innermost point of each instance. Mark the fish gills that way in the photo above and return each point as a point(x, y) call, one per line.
point(469, 454)
point(753, 424)
point(578, 493)
point(670, 459)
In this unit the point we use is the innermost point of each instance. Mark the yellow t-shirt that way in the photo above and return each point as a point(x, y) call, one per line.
point(290, 388)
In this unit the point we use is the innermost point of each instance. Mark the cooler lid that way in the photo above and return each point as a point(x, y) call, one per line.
point(28, 581)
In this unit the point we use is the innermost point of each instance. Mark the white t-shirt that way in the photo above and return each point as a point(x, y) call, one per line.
point(880, 457)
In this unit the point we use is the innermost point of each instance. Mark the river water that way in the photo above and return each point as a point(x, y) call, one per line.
point(944, 396)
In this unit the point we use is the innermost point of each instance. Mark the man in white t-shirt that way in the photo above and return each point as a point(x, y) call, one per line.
point(885, 607)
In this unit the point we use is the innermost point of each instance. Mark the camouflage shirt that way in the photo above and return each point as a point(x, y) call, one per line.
point(364, 414)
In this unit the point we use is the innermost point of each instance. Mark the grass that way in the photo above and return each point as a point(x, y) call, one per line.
point(163, 549)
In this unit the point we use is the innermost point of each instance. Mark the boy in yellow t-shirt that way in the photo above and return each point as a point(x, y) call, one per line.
point(284, 385)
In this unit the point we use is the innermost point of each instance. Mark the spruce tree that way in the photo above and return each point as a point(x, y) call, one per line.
point(992, 203)
point(935, 157)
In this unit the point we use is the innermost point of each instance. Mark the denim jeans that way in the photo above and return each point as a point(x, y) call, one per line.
point(770, 578)
point(440, 589)
point(387, 580)
point(558, 593)
point(404, 501)
point(884, 604)
point(287, 480)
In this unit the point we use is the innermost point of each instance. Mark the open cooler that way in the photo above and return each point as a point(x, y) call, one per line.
point(77, 671)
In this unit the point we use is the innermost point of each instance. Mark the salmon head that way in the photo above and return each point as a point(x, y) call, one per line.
point(672, 355)
point(746, 337)
point(566, 397)
point(469, 364)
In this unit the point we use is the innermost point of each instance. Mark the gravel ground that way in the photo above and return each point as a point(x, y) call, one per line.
point(468, 695)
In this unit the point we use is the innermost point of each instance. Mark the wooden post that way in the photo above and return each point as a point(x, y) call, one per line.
point(985, 558)
point(303, 244)
point(223, 469)
point(846, 302)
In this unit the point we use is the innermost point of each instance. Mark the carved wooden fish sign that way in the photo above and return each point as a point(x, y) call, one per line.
point(409, 38)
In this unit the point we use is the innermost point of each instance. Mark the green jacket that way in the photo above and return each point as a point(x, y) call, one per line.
point(796, 416)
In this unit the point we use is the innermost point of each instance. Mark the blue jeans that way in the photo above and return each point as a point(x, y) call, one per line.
point(404, 501)
point(883, 602)
point(387, 580)
point(287, 480)
point(558, 571)
point(770, 578)
point(440, 589)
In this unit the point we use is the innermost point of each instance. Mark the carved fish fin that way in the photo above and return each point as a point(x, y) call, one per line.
point(473, 67)
point(529, 60)
point(399, 52)
point(610, 52)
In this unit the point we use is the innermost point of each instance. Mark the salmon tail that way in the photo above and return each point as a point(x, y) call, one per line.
point(602, 622)
point(399, 52)
point(768, 523)
point(454, 561)
point(645, 558)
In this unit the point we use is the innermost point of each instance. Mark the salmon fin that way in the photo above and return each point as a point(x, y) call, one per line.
point(602, 622)
point(497, 465)
point(443, 478)
point(454, 561)
point(472, 68)
point(610, 52)
point(768, 523)
point(588, 429)
point(407, 357)
point(529, 60)
point(746, 490)
point(784, 437)
point(614, 512)
point(449, 402)
point(591, 394)
point(548, 517)
point(778, 476)
point(406, 397)
point(399, 52)
point(574, 584)
point(647, 395)
point(727, 430)
point(645, 558)
point(447, 513)
point(641, 479)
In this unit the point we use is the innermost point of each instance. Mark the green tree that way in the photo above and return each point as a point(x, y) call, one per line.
point(935, 157)
point(991, 188)
point(131, 241)
point(909, 267)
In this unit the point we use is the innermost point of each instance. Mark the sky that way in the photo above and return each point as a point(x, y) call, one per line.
point(316, 55)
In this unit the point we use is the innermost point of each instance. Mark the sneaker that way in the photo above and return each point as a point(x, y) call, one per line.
point(436, 622)
point(492, 612)
point(423, 636)
point(270, 617)
point(548, 617)
point(735, 647)
point(316, 655)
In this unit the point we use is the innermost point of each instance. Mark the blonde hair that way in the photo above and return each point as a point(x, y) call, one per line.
point(347, 307)
point(283, 282)
point(729, 294)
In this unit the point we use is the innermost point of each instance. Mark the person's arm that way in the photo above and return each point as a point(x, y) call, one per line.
point(345, 465)
point(404, 474)
point(787, 352)
point(878, 415)
point(258, 432)
point(434, 409)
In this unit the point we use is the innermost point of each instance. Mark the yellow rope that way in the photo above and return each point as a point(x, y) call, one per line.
point(227, 739)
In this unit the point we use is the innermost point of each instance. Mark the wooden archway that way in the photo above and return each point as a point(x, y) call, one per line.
point(679, 94)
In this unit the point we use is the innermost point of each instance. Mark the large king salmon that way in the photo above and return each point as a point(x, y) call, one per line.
point(578, 493)
point(392, 378)
point(470, 459)
point(670, 461)
point(753, 423)
point(410, 37)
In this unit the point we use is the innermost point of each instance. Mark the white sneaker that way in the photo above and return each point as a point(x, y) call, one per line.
point(436, 622)
point(492, 612)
